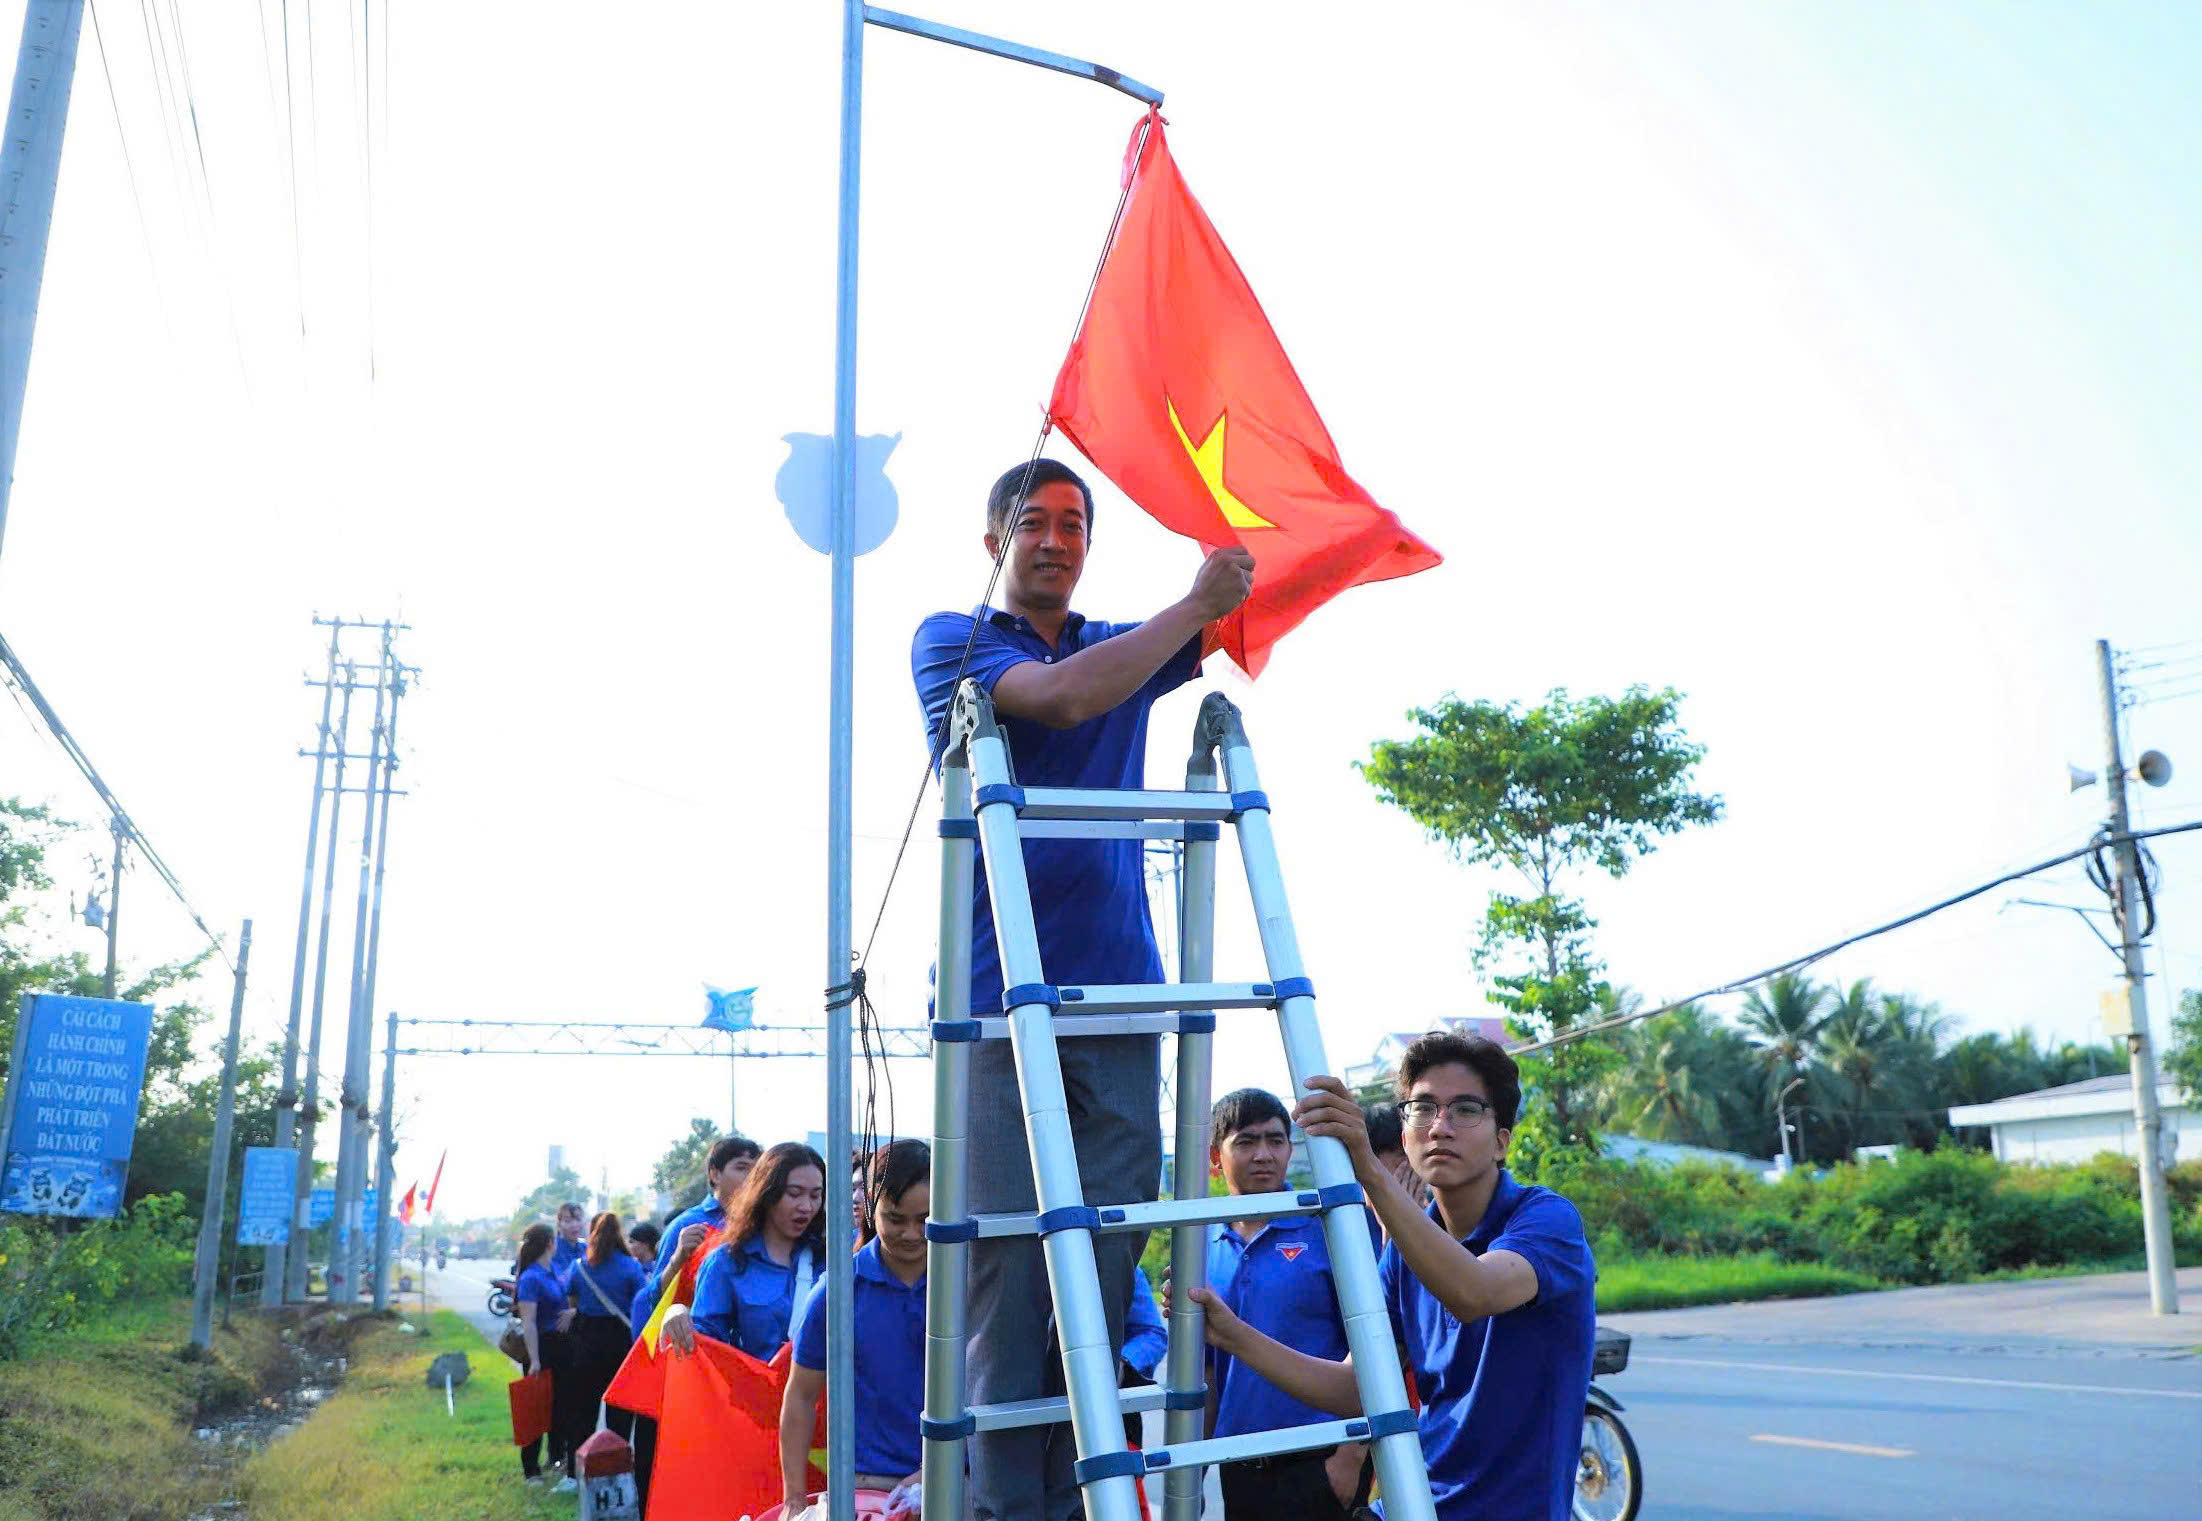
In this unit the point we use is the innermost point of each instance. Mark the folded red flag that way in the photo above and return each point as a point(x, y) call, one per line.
point(530, 1397)
point(718, 1445)
point(1177, 389)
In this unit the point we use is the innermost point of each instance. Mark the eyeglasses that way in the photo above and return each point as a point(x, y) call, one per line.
point(1461, 1113)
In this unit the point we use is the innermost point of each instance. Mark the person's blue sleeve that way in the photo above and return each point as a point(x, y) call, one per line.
point(1548, 1233)
point(644, 1306)
point(671, 1238)
point(937, 651)
point(1177, 670)
point(1389, 1270)
point(1145, 1337)
point(810, 1335)
point(715, 1304)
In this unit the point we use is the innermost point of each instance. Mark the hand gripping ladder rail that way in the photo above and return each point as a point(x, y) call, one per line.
point(983, 806)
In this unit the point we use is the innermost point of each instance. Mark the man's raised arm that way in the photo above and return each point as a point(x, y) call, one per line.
point(1065, 693)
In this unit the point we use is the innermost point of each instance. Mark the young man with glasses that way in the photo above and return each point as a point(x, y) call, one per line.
point(1490, 1290)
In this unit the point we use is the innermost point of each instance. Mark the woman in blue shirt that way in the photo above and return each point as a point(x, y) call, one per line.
point(601, 1285)
point(538, 1298)
point(890, 1336)
point(752, 1284)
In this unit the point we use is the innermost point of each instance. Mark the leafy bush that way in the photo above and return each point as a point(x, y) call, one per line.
point(50, 1280)
point(1925, 1217)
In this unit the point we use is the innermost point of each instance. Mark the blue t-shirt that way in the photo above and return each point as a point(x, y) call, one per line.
point(1146, 1338)
point(541, 1286)
point(646, 1301)
point(620, 1279)
point(1279, 1282)
point(1089, 897)
point(747, 1300)
point(564, 1254)
point(1502, 1396)
point(890, 1362)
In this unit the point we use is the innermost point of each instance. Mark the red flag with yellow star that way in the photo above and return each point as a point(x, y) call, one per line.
point(1178, 391)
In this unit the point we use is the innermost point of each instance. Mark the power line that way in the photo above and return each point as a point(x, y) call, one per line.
point(121, 815)
point(1799, 963)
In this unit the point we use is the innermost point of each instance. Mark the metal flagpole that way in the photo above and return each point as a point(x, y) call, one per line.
point(840, 1272)
point(286, 1097)
point(30, 163)
point(208, 1263)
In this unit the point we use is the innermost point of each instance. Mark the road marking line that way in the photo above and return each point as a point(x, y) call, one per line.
point(1859, 1448)
point(1930, 1378)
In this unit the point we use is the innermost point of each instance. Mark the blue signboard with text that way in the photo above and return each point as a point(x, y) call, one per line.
point(264, 1195)
point(71, 1109)
point(320, 1205)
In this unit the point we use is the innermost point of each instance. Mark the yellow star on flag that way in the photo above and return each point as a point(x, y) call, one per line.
point(1208, 460)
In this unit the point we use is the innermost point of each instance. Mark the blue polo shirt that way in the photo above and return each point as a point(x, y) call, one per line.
point(1279, 1283)
point(707, 1213)
point(564, 1254)
point(747, 1300)
point(1089, 897)
point(1502, 1396)
point(620, 1279)
point(541, 1286)
point(890, 1362)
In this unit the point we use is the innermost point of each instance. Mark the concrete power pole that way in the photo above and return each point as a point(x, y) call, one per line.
point(309, 1117)
point(351, 1154)
point(114, 910)
point(2148, 1119)
point(209, 1265)
point(286, 1097)
point(394, 673)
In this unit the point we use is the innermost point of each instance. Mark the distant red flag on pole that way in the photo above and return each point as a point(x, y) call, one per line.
point(428, 1206)
point(405, 1205)
point(1178, 390)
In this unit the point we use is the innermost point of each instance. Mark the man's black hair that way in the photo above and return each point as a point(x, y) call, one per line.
point(1015, 487)
point(1384, 1128)
point(645, 1234)
point(730, 1148)
point(1245, 1107)
point(1502, 1080)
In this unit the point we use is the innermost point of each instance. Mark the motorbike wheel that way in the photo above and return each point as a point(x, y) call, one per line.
point(1609, 1481)
point(500, 1303)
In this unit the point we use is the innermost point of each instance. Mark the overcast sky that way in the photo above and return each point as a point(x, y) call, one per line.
point(1835, 365)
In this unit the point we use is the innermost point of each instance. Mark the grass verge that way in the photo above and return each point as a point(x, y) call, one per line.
point(1666, 1283)
point(383, 1449)
point(95, 1424)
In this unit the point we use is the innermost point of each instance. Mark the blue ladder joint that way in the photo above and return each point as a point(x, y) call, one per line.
point(987, 816)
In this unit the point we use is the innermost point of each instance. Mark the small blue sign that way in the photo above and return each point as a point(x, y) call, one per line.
point(805, 488)
point(320, 1206)
point(729, 1011)
point(72, 1105)
point(264, 1195)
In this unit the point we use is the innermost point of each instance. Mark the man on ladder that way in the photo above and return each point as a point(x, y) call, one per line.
point(1074, 696)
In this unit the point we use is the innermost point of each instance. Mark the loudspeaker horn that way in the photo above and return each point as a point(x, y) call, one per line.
point(2078, 778)
point(2154, 767)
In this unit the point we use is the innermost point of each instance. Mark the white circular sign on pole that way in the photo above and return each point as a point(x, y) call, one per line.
point(805, 488)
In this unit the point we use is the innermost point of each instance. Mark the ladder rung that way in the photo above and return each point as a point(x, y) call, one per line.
point(1102, 829)
point(1158, 997)
point(1164, 1213)
point(1111, 1024)
point(1051, 1412)
point(1258, 1444)
point(1124, 803)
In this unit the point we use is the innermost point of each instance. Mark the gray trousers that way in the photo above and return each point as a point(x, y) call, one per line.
point(1113, 1084)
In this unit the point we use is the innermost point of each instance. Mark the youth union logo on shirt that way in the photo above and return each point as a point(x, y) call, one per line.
point(1292, 1253)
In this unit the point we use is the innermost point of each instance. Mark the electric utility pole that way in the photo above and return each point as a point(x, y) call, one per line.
point(209, 1260)
point(351, 1133)
point(394, 673)
point(386, 1180)
point(2148, 1119)
point(309, 1116)
point(286, 1097)
point(114, 907)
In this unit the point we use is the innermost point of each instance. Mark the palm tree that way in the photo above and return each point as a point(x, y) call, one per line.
point(1661, 1092)
point(1783, 1019)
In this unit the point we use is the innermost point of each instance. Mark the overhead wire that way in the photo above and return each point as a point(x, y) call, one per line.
point(1799, 963)
point(21, 678)
point(129, 164)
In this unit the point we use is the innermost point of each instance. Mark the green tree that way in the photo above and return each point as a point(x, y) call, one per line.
point(680, 1172)
point(543, 1200)
point(1550, 791)
point(2183, 1053)
point(1783, 1019)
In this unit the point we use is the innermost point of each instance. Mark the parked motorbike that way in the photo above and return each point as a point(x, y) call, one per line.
point(500, 1296)
point(1609, 1480)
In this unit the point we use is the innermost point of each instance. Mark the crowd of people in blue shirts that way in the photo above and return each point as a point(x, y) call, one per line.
point(1501, 1393)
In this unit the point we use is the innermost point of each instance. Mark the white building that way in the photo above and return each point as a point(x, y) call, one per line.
point(1377, 1071)
point(2079, 1120)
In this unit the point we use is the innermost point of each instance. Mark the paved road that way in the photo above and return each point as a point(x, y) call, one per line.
point(464, 1286)
point(1932, 1405)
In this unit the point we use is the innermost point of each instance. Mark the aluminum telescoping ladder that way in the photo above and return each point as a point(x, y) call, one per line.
point(984, 809)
